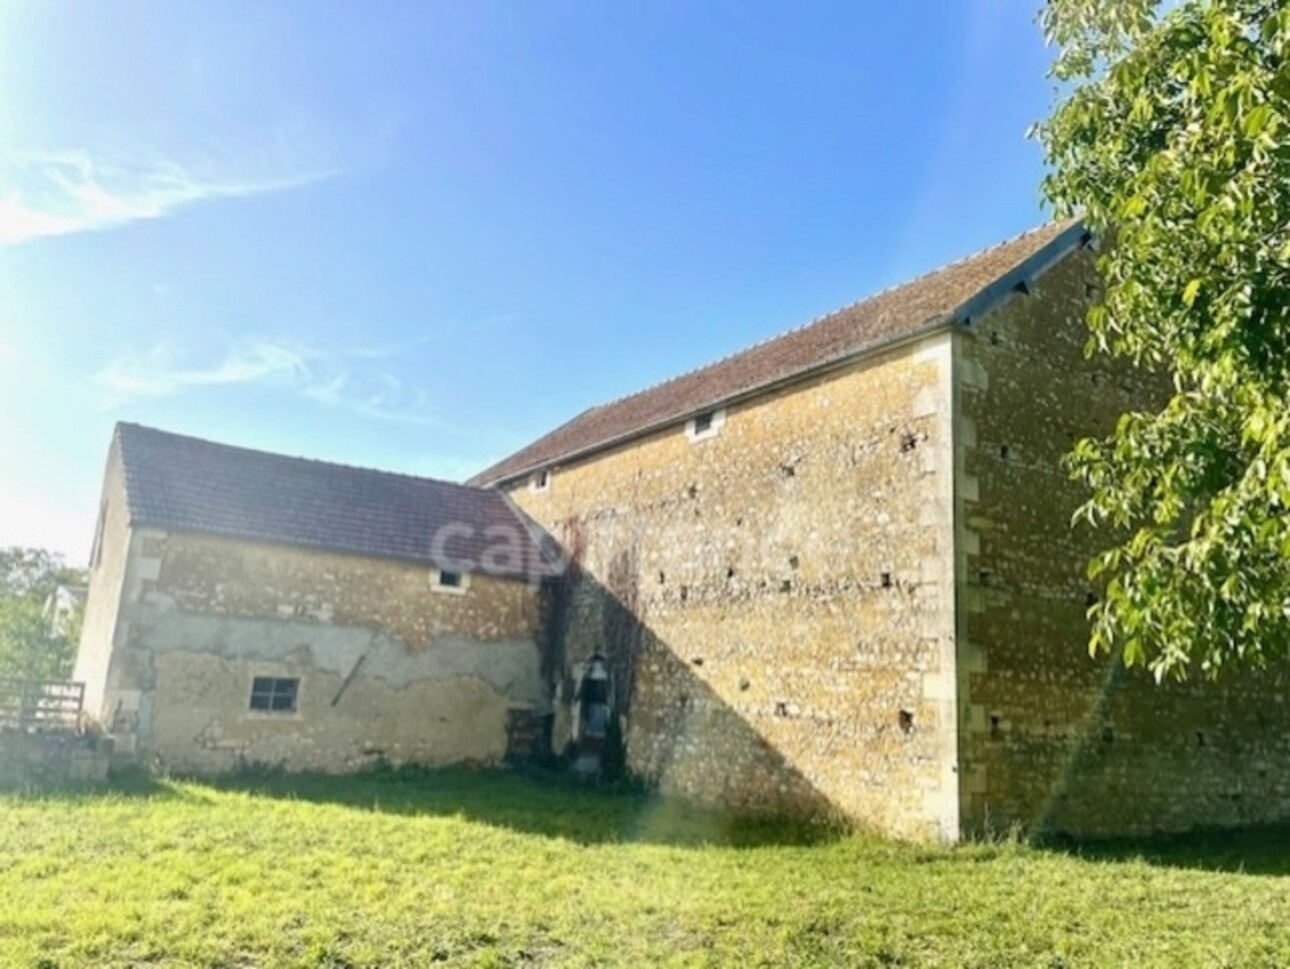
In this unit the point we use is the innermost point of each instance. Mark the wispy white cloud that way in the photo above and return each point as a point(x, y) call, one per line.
point(167, 369)
point(352, 380)
point(61, 193)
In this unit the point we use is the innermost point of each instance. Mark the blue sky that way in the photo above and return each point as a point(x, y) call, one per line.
point(417, 236)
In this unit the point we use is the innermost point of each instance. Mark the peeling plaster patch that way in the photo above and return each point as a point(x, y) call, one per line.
point(506, 665)
point(386, 669)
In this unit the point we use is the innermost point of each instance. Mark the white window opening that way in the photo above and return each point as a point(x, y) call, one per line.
point(541, 480)
point(446, 580)
point(706, 425)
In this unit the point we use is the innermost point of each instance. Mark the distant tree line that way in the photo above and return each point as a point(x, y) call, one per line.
point(32, 645)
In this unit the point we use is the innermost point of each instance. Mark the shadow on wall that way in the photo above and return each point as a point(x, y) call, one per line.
point(685, 741)
point(1082, 760)
point(1142, 762)
point(681, 737)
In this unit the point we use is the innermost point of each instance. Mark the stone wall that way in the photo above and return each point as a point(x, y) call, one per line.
point(389, 668)
point(776, 600)
point(52, 758)
point(1050, 737)
point(107, 576)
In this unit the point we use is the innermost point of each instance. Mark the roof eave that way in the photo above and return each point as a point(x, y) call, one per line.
point(758, 390)
point(544, 569)
point(985, 299)
point(1021, 278)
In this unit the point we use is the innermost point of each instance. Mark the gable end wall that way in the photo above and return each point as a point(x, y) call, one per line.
point(1050, 738)
point(107, 579)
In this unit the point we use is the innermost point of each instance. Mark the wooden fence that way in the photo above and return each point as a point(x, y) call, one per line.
point(41, 704)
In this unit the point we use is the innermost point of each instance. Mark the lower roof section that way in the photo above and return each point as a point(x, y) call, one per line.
point(181, 483)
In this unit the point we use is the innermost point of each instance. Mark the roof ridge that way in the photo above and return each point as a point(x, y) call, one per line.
point(937, 297)
point(912, 280)
point(178, 483)
point(295, 457)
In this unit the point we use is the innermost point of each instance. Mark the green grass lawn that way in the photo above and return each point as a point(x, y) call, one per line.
point(480, 869)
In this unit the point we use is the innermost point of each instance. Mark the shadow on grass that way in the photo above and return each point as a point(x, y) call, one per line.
point(540, 803)
point(128, 785)
point(551, 805)
point(547, 805)
point(1257, 850)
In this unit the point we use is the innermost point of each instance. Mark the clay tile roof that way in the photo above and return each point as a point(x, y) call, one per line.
point(905, 310)
point(187, 484)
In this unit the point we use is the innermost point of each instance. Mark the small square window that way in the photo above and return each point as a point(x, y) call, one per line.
point(273, 694)
point(541, 480)
point(449, 580)
point(705, 425)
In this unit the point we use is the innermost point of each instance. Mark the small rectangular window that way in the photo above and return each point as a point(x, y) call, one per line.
point(705, 425)
point(541, 480)
point(449, 580)
point(274, 694)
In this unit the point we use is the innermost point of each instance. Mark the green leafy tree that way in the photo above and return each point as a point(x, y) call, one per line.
point(29, 647)
point(35, 572)
point(1171, 137)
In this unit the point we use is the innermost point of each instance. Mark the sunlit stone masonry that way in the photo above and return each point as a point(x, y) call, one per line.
point(833, 574)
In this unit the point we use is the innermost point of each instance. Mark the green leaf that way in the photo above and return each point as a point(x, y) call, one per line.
point(1256, 121)
point(1169, 134)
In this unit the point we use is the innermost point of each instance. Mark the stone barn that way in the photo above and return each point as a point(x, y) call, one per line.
point(836, 572)
point(249, 608)
point(832, 574)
